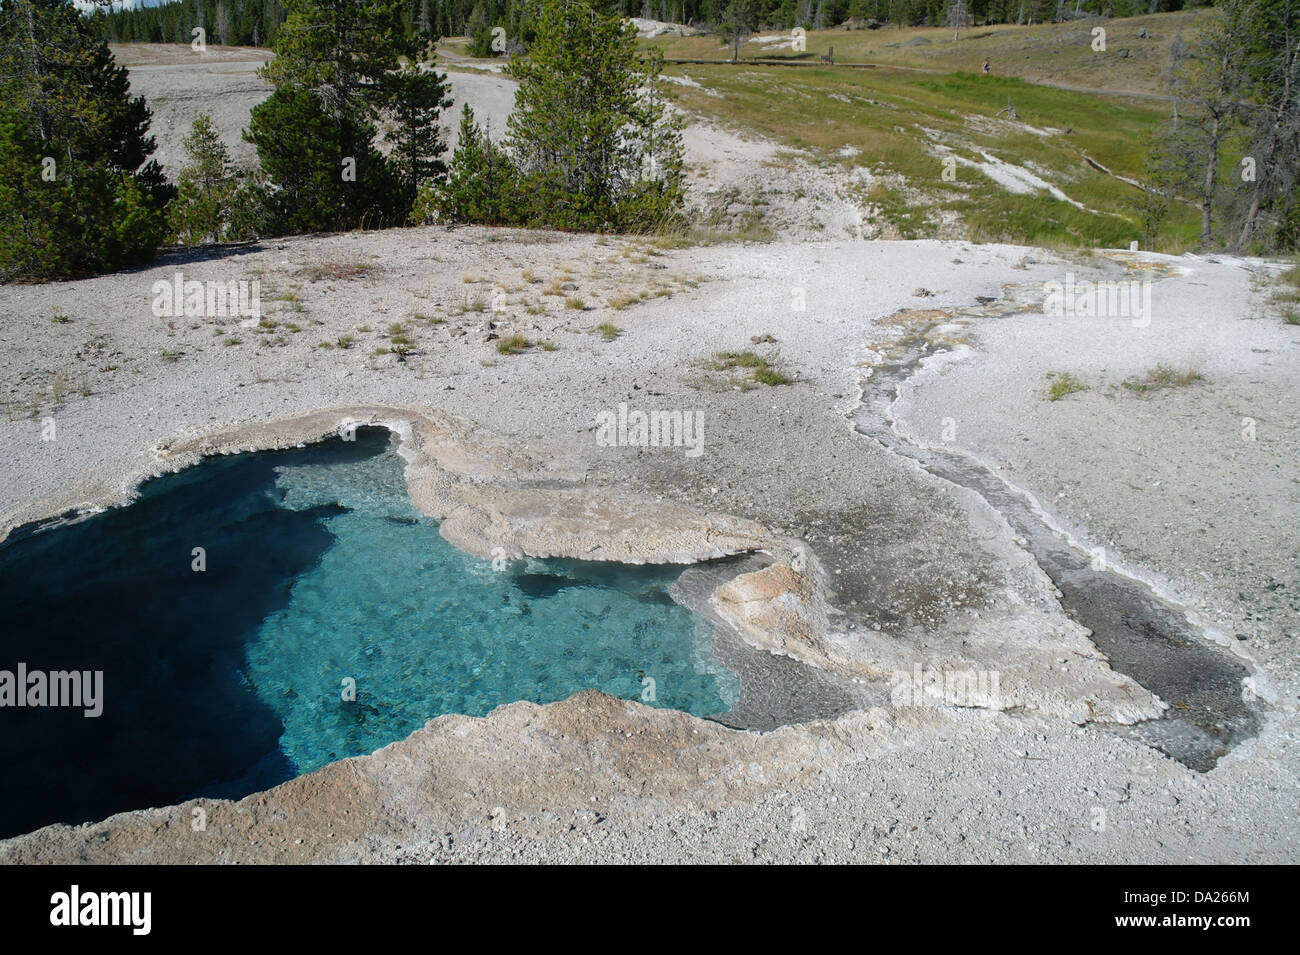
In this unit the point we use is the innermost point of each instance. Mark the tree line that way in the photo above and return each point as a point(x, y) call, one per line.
point(225, 22)
point(257, 22)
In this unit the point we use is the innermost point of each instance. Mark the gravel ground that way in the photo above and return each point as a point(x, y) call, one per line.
point(913, 563)
point(1194, 487)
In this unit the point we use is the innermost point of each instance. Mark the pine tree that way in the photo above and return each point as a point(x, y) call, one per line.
point(482, 185)
point(1207, 87)
point(590, 134)
point(415, 99)
point(341, 50)
point(207, 185)
point(737, 22)
point(1272, 64)
point(339, 70)
point(78, 191)
point(322, 172)
point(221, 23)
point(955, 17)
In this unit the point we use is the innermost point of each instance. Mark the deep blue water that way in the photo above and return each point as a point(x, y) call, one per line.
point(318, 572)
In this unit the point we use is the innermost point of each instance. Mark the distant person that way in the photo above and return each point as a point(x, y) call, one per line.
point(986, 68)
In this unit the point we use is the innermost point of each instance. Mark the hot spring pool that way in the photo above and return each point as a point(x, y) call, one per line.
point(320, 576)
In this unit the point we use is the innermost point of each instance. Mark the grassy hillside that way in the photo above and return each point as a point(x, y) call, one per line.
point(1053, 53)
point(898, 123)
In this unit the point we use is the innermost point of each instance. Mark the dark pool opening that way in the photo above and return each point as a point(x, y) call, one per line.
point(317, 571)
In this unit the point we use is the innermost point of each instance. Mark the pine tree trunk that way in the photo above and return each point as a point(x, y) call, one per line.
point(36, 66)
point(1211, 171)
point(1248, 227)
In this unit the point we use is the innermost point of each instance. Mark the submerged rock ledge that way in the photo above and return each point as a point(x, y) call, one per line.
point(496, 500)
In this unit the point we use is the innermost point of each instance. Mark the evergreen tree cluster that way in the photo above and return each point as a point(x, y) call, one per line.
point(224, 22)
point(78, 191)
point(590, 144)
point(255, 22)
point(343, 67)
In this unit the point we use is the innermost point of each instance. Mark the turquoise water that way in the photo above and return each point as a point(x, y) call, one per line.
point(425, 629)
point(331, 620)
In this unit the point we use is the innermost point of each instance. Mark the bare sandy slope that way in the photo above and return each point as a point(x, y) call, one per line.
point(918, 570)
point(227, 90)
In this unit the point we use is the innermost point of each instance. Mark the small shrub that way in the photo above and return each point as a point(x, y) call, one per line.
point(337, 271)
point(1064, 384)
point(770, 376)
point(1165, 376)
point(402, 346)
point(513, 345)
point(623, 300)
point(763, 371)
